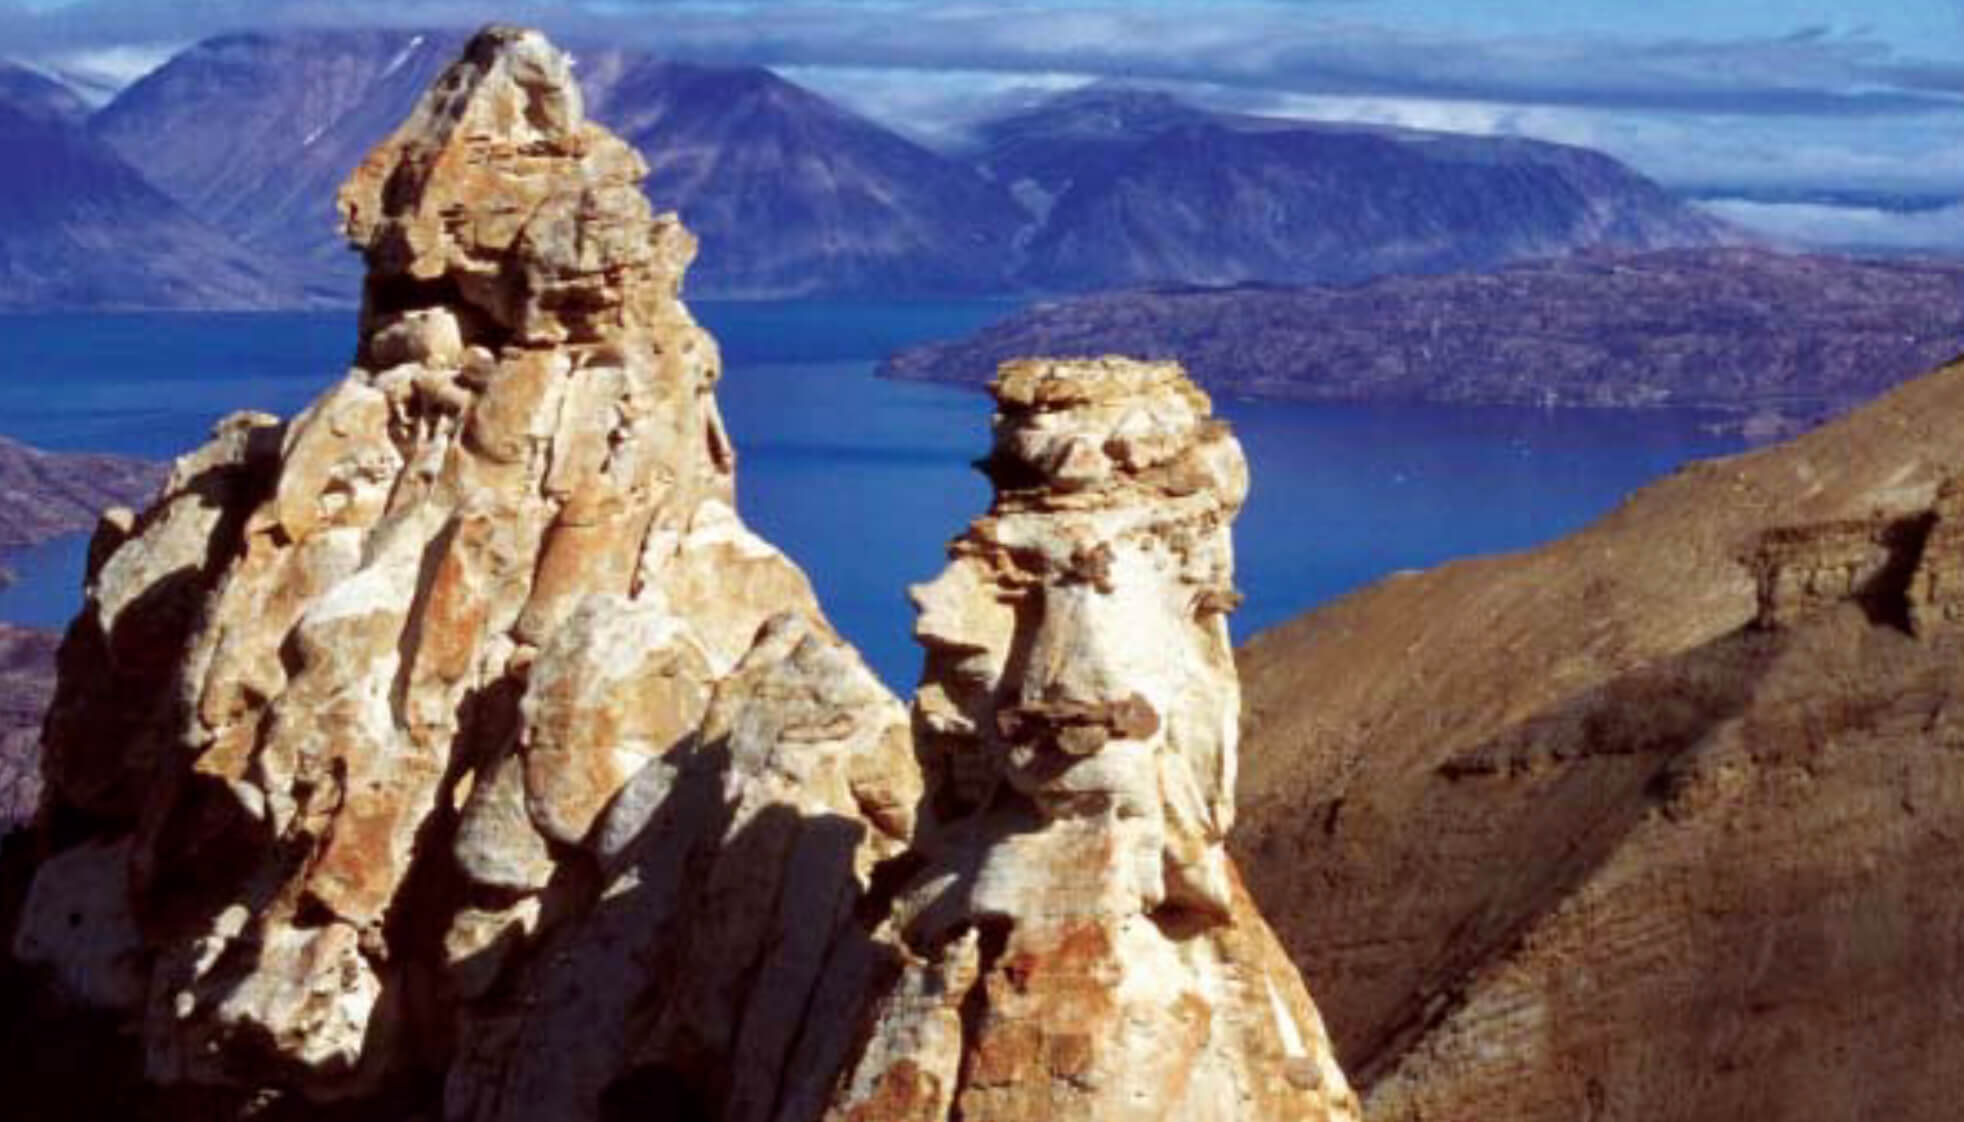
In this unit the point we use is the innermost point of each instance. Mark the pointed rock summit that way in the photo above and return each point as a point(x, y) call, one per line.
point(455, 745)
point(498, 197)
point(349, 703)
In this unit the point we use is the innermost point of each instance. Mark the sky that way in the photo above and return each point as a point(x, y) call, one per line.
point(1736, 97)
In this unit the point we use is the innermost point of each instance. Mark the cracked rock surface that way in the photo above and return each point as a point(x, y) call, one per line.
point(1075, 943)
point(453, 749)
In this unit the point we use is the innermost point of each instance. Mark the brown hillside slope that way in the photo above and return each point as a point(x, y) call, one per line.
point(1659, 821)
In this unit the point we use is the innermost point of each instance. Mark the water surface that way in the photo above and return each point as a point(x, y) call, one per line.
point(863, 481)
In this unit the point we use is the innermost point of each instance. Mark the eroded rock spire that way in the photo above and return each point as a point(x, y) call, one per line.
point(499, 201)
point(455, 744)
point(1077, 944)
point(370, 703)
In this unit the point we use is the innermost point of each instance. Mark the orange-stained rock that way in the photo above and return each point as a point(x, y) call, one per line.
point(371, 705)
point(456, 751)
point(1075, 944)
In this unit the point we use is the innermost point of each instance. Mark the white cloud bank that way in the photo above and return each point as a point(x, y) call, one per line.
point(1844, 227)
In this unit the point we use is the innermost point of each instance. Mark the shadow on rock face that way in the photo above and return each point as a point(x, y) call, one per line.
point(655, 1091)
point(678, 981)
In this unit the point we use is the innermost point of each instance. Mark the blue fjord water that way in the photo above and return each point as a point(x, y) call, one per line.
point(863, 481)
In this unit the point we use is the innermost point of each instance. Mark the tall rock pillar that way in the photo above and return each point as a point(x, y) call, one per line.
point(1077, 943)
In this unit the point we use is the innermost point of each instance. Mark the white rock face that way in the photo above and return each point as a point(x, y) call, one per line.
point(456, 740)
point(373, 703)
point(1075, 913)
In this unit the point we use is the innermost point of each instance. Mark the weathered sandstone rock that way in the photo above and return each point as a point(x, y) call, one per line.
point(354, 706)
point(454, 749)
point(1076, 944)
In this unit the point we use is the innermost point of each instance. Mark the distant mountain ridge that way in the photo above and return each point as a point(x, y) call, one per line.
point(1137, 188)
point(790, 194)
point(253, 133)
point(1894, 202)
point(81, 228)
point(793, 195)
point(27, 90)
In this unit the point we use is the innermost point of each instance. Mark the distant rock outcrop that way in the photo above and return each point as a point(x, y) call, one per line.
point(47, 494)
point(1789, 337)
point(1658, 821)
point(455, 749)
point(790, 194)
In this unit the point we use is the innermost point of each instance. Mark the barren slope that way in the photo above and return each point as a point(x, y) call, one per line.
point(1601, 831)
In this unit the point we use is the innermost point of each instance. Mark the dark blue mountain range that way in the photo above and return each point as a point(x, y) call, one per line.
point(79, 227)
point(793, 195)
point(1136, 188)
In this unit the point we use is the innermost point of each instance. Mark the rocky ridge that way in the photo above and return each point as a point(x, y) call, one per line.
point(453, 748)
point(47, 494)
point(1657, 821)
point(1783, 336)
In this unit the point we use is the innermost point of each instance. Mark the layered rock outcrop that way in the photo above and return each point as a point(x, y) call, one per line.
point(454, 748)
